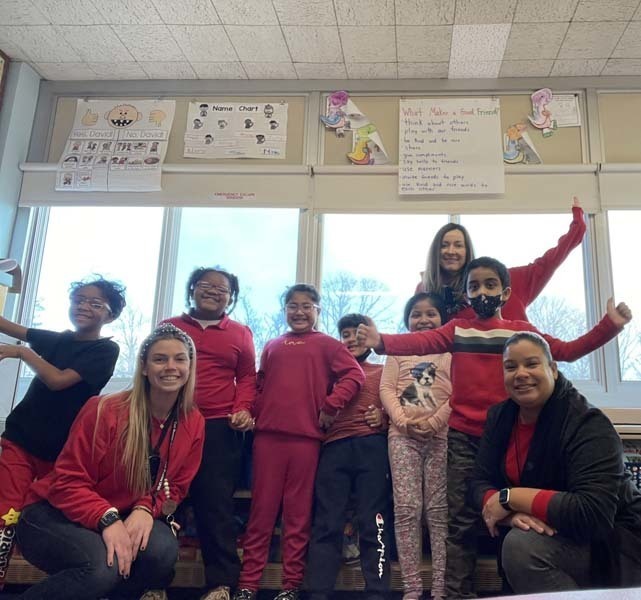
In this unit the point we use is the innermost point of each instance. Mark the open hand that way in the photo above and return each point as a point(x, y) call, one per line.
point(118, 542)
point(139, 525)
point(526, 522)
point(493, 513)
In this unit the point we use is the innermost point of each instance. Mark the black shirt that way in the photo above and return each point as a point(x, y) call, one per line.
point(40, 423)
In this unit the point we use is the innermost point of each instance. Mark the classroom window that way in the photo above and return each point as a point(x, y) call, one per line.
point(258, 245)
point(624, 227)
point(517, 240)
point(117, 243)
point(372, 264)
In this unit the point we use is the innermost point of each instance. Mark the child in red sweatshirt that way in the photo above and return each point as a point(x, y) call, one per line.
point(305, 378)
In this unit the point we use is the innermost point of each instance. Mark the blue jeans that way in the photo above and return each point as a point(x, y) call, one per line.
point(76, 558)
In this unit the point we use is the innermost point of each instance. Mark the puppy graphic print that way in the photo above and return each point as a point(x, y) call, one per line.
point(419, 392)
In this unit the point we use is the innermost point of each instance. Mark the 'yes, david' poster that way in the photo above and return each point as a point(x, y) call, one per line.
point(116, 146)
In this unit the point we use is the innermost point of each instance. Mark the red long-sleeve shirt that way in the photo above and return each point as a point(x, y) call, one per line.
point(89, 477)
point(301, 374)
point(225, 366)
point(528, 281)
point(477, 371)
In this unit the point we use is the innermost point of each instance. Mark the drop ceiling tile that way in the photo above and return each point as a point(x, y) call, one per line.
point(187, 12)
point(481, 69)
point(622, 66)
point(591, 40)
point(95, 43)
point(320, 71)
point(71, 71)
point(629, 45)
point(534, 40)
point(40, 43)
point(423, 70)
point(118, 70)
point(70, 12)
point(259, 43)
point(20, 12)
point(246, 12)
point(12, 50)
point(547, 11)
point(313, 44)
point(577, 68)
point(476, 12)
point(128, 12)
point(479, 42)
point(365, 12)
point(149, 42)
point(369, 44)
point(266, 70)
point(423, 43)
point(372, 71)
point(220, 70)
point(425, 12)
point(305, 12)
point(612, 10)
point(168, 70)
point(526, 68)
point(204, 43)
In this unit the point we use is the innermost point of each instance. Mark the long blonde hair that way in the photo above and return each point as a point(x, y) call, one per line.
point(134, 437)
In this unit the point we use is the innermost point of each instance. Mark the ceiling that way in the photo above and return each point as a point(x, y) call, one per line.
point(322, 39)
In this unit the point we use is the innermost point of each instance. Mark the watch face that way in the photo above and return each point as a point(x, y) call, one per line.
point(504, 496)
point(109, 519)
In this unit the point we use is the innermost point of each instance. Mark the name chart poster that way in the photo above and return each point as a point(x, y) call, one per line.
point(450, 146)
point(236, 130)
point(116, 146)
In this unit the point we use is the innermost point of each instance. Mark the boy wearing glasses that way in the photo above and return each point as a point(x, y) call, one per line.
point(69, 368)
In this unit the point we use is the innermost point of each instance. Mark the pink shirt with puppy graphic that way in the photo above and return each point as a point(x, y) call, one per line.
point(414, 386)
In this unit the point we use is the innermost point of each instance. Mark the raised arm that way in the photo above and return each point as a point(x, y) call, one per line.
point(13, 330)
point(528, 281)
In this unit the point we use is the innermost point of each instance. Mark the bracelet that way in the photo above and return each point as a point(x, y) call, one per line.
point(141, 507)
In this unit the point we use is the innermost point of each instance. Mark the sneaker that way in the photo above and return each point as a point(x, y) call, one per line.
point(219, 593)
point(154, 595)
point(287, 595)
point(244, 594)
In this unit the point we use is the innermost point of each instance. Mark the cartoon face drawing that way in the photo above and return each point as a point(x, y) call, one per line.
point(260, 139)
point(273, 124)
point(222, 123)
point(209, 139)
point(248, 123)
point(203, 109)
point(197, 123)
point(269, 111)
point(123, 115)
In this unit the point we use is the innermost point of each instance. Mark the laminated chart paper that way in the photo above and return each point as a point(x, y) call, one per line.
point(450, 146)
point(236, 130)
point(116, 146)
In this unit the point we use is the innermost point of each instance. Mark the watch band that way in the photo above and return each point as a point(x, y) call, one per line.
point(109, 518)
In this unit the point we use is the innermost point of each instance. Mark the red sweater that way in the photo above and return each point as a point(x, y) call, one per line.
point(477, 370)
point(528, 281)
point(300, 375)
point(89, 478)
point(350, 421)
point(225, 365)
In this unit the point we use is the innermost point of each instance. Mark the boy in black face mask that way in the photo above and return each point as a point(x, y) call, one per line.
point(477, 384)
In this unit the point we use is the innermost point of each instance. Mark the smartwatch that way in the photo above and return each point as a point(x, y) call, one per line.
point(504, 498)
point(109, 518)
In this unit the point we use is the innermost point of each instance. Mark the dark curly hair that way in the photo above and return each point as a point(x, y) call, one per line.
point(113, 291)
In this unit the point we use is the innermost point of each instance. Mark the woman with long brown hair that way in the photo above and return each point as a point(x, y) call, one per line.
point(101, 523)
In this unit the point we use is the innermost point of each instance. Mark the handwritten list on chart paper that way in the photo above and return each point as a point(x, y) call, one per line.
point(450, 146)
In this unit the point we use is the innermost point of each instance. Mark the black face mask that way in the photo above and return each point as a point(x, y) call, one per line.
point(484, 306)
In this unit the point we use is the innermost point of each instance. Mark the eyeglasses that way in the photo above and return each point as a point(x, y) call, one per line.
point(210, 287)
point(92, 303)
point(307, 307)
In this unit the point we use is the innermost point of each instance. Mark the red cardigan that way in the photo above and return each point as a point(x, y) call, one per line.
point(89, 477)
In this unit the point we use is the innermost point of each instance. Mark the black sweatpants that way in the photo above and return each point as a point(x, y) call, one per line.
point(212, 495)
point(357, 465)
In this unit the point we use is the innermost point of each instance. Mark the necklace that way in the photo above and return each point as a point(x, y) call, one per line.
point(519, 466)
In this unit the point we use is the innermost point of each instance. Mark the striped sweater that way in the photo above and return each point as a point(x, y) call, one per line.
point(477, 372)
